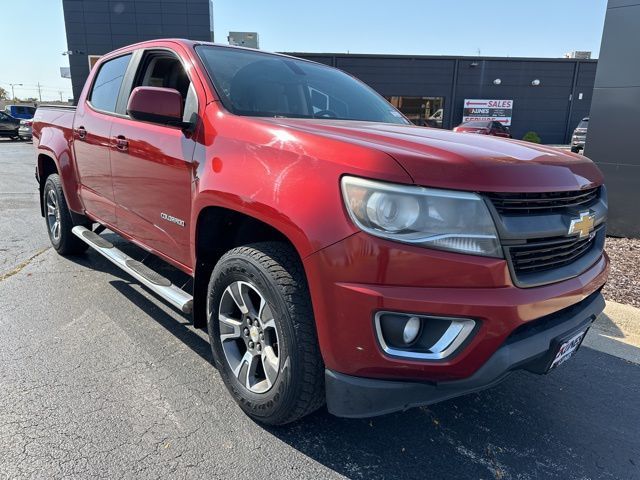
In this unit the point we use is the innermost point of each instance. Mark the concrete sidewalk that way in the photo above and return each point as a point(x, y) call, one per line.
point(617, 332)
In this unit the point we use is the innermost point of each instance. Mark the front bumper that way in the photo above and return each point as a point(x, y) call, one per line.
point(528, 348)
point(350, 281)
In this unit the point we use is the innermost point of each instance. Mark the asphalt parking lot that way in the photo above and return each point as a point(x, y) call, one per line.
point(98, 378)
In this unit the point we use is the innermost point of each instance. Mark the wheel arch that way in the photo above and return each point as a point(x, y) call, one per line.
point(46, 166)
point(209, 245)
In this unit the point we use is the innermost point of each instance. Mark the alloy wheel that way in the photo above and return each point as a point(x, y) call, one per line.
point(53, 215)
point(249, 336)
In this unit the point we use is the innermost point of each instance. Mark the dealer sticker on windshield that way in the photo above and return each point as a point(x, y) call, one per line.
point(567, 349)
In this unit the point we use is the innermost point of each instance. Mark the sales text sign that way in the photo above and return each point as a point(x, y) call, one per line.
point(494, 110)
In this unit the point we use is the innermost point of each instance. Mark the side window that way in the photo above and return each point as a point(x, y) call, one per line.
point(104, 94)
point(3, 116)
point(319, 100)
point(162, 69)
point(324, 101)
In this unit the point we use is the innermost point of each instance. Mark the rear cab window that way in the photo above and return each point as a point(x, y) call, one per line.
point(106, 86)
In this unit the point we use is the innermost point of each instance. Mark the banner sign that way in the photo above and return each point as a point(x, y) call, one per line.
point(493, 110)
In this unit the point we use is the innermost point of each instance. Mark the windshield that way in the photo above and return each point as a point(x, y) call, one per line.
point(265, 85)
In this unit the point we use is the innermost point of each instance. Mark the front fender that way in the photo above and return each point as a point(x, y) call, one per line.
point(287, 179)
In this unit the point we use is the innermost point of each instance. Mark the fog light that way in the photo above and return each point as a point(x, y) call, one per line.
point(423, 337)
point(411, 330)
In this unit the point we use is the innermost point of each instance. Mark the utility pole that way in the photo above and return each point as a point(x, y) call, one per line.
point(13, 95)
point(39, 93)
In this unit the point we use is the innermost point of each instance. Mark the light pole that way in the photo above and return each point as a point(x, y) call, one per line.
point(13, 96)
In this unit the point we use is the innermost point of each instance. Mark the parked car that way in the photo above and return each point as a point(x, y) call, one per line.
point(24, 131)
point(20, 111)
point(484, 128)
point(337, 252)
point(9, 126)
point(579, 136)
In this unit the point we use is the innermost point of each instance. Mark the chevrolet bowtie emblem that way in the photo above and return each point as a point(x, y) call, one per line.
point(582, 225)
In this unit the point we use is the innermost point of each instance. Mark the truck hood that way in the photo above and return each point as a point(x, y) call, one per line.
point(441, 158)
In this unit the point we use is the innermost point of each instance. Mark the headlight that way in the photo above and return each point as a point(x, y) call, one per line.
point(443, 219)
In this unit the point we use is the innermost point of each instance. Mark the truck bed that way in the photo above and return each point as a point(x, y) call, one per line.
point(53, 119)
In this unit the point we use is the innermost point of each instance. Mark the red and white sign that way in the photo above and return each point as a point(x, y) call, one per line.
point(488, 110)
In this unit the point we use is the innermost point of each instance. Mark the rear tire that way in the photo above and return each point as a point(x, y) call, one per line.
point(268, 356)
point(58, 219)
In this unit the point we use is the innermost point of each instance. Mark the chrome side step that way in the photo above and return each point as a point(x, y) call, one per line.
point(149, 278)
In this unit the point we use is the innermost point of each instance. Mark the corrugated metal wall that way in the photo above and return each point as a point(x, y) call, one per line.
point(612, 138)
point(96, 27)
point(552, 109)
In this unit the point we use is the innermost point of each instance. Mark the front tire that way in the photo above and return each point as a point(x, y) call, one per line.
point(58, 219)
point(262, 333)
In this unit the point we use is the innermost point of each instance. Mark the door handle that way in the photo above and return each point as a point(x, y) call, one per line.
point(81, 132)
point(122, 143)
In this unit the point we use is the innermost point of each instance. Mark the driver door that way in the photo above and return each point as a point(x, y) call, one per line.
point(152, 166)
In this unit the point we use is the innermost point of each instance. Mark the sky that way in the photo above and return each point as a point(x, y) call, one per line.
point(32, 35)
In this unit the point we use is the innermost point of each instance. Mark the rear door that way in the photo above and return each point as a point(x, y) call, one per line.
point(91, 138)
point(152, 164)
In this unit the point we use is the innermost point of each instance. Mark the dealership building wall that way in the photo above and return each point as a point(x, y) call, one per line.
point(96, 27)
point(611, 138)
point(424, 87)
point(553, 108)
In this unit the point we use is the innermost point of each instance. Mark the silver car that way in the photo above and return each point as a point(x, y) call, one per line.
point(579, 136)
point(24, 130)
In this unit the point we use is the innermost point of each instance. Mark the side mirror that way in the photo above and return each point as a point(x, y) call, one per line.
point(156, 105)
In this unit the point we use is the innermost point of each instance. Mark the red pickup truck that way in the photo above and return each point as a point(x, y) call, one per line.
point(338, 253)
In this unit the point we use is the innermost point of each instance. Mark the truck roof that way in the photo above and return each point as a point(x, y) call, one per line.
point(192, 43)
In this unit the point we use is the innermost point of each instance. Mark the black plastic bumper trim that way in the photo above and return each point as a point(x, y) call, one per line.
point(358, 397)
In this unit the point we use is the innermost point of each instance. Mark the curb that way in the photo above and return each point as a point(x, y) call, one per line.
point(617, 332)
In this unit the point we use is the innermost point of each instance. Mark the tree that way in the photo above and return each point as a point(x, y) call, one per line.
point(3, 94)
point(532, 137)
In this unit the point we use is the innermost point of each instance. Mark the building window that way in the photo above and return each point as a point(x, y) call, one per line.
point(423, 111)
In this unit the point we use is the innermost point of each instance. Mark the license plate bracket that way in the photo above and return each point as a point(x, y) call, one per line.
point(565, 347)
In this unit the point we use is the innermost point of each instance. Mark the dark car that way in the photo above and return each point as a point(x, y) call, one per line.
point(579, 136)
point(25, 112)
point(9, 126)
point(484, 127)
